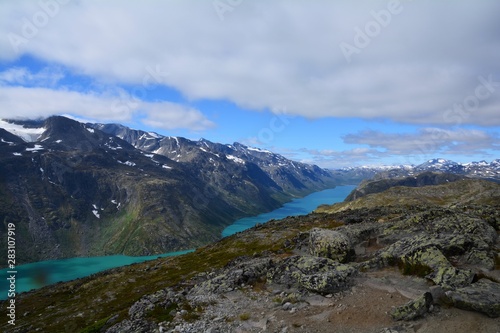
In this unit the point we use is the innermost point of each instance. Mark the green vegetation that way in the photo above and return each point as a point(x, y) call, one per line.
point(244, 316)
point(96, 327)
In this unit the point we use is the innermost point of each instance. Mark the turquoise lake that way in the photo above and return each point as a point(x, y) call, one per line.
point(295, 207)
point(39, 274)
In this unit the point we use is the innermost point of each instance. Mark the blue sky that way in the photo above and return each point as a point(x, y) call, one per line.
point(327, 82)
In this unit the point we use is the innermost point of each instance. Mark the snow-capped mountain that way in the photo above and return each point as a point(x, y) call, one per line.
point(481, 169)
point(78, 189)
point(210, 158)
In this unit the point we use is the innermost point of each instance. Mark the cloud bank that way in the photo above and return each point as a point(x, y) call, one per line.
point(416, 62)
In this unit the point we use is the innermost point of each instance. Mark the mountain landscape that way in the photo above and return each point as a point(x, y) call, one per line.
point(416, 248)
point(84, 189)
point(423, 258)
point(76, 190)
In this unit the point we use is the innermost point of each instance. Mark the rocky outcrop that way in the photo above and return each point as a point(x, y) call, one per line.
point(320, 275)
point(482, 296)
point(247, 272)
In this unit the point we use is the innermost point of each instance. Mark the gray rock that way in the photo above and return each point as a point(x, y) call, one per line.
point(421, 256)
point(413, 309)
point(437, 293)
point(320, 275)
point(482, 296)
point(287, 306)
point(139, 308)
point(330, 244)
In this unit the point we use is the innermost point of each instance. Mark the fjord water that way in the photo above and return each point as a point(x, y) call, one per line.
point(296, 207)
point(44, 273)
point(39, 274)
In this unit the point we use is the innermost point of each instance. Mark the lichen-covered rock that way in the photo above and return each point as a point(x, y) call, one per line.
point(482, 296)
point(480, 258)
point(330, 244)
point(421, 256)
point(139, 308)
point(414, 309)
point(329, 282)
point(443, 273)
point(247, 272)
point(320, 275)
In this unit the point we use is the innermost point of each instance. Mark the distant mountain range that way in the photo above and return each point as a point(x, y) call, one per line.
point(481, 169)
point(76, 189)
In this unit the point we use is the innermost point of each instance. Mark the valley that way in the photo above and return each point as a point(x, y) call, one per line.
point(418, 266)
point(74, 190)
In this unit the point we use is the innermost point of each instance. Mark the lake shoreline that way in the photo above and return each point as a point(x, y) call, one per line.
point(39, 274)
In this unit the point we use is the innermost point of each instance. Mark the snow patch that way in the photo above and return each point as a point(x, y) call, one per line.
point(164, 166)
point(91, 130)
point(129, 163)
point(27, 134)
point(235, 159)
point(155, 135)
point(17, 154)
point(96, 213)
point(10, 143)
point(259, 150)
point(36, 148)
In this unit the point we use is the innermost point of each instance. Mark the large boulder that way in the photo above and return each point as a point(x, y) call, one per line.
point(482, 296)
point(230, 278)
point(421, 255)
point(330, 244)
point(320, 275)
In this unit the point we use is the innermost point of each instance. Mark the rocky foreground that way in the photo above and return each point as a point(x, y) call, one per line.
point(433, 267)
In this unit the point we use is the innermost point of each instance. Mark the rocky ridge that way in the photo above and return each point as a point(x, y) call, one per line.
point(395, 268)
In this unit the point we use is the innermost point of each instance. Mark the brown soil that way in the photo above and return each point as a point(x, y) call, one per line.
point(363, 309)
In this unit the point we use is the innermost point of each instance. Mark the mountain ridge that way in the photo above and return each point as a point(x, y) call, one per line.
point(75, 190)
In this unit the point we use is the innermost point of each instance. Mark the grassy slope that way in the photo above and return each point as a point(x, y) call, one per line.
point(71, 306)
point(460, 192)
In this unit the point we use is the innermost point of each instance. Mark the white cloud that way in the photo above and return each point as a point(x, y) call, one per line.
point(22, 76)
point(168, 115)
point(282, 52)
point(404, 148)
point(42, 102)
point(25, 102)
